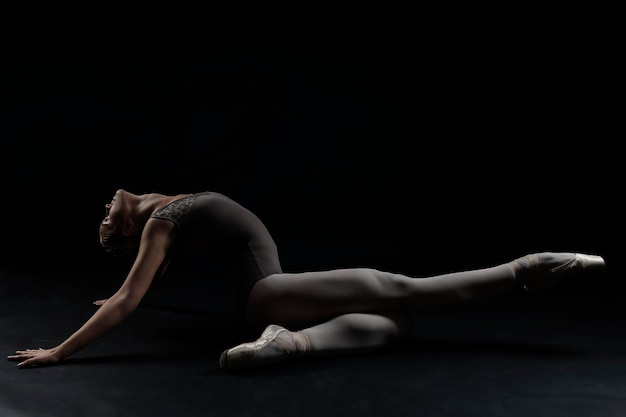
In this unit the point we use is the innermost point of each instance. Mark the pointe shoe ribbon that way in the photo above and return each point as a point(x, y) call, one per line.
point(275, 345)
point(538, 272)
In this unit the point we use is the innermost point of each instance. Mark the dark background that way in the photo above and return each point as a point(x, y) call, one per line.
point(400, 139)
point(419, 139)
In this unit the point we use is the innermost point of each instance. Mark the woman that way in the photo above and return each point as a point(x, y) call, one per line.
point(308, 313)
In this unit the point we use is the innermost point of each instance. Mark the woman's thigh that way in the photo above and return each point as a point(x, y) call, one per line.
point(311, 297)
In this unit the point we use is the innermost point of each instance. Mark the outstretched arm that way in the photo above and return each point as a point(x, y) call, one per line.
point(112, 312)
point(116, 309)
point(159, 273)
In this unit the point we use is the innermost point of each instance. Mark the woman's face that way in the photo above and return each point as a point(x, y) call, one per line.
point(114, 213)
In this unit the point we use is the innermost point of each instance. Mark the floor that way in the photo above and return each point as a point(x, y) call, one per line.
point(562, 353)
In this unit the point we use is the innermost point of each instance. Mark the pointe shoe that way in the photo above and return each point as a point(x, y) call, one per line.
point(275, 345)
point(539, 271)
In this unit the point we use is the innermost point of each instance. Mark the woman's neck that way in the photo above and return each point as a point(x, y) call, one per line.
point(151, 202)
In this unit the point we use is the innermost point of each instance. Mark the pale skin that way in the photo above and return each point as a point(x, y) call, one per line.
point(341, 310)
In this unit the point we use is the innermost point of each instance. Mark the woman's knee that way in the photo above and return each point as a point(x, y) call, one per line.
point(400, 324)
point(380, 328)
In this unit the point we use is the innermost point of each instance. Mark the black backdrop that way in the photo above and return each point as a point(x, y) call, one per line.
point(451, 133)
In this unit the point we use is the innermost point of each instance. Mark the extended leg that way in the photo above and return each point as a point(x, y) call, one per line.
point(303, 299)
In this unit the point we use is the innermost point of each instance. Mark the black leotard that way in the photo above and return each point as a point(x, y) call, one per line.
point(229, 230)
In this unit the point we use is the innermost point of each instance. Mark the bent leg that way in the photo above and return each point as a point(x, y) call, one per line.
point(348, 333)
point(357, 332)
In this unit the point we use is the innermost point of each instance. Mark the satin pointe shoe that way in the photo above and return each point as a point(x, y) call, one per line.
point(539, 271)
point(276, 344)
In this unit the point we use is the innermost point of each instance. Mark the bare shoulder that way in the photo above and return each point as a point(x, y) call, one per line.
point(157, 229)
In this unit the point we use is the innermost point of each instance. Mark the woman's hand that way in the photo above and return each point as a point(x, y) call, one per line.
point(35, 357)
point(100, 302)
